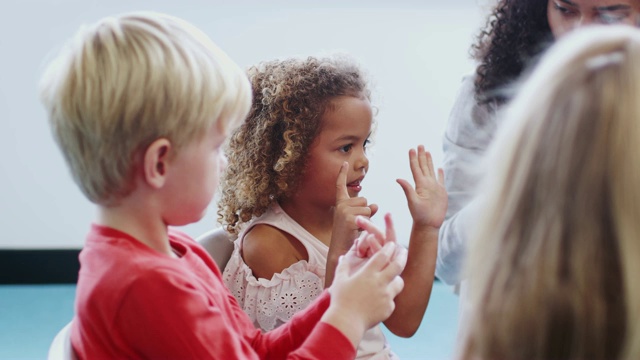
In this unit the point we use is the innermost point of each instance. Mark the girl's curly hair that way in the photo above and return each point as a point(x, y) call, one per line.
point(516, 32)
point(267, 154)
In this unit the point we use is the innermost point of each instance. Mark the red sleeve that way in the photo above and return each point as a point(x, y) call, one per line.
point(162, 316)
point(165, 315)
point(305, 332)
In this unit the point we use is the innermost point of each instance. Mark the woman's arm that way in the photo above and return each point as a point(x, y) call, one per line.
point(470, 130)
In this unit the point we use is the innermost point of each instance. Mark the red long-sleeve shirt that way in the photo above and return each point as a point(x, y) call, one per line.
point(133, 302)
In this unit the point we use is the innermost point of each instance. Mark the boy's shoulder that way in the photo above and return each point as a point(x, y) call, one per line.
point(117, 260)
point(177, 236)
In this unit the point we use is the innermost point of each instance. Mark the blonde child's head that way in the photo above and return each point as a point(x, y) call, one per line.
point(554, 261)
point(267, 154)
point(126, 81)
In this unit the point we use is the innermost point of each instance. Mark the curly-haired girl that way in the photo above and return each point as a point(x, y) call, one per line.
point(290, 193)
point(516, 33)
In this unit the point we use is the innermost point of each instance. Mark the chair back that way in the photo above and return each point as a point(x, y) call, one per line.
point(61, 348)
point(219, 244)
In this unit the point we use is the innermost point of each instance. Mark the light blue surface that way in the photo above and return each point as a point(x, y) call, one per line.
point(436, 336)
point(31, 315)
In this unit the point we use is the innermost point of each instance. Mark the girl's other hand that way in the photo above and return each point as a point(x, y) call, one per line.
point(345, 231)
point(428, 201)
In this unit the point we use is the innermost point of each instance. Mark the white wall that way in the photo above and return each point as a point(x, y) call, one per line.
point(416, 52)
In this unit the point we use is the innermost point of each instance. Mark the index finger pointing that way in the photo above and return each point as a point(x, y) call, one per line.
point(341, 183)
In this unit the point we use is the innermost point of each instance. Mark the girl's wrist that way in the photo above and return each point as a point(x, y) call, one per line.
point(423, 233)
point(425, 227)
point(339, 247)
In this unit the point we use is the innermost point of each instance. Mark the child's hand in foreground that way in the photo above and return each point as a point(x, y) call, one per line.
point(362, 293)
point(370, 241)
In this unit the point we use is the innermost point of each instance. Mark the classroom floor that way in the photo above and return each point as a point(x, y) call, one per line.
point(31, 315)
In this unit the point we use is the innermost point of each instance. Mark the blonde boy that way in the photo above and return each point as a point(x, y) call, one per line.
point(140, 105)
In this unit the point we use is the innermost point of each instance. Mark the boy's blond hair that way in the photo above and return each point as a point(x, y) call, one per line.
point(129, 80)
point(554, 262)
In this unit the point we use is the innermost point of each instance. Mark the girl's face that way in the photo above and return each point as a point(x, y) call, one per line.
point(344, 136)
point(566, 15)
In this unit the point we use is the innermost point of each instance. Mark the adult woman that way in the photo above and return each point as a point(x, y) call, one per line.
point(554, 261)
point(517, 31)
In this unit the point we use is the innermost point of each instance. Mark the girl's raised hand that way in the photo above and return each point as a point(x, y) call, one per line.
point(347, 208)
point(428, 201)
point(345, 230)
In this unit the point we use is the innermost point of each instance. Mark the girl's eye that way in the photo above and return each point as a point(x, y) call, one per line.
point(346, 148)
point(366, 144)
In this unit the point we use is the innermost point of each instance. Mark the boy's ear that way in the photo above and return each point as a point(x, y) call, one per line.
point(156, 162)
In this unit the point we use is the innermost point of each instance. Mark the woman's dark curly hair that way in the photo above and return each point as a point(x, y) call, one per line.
point(268, 153)
point(515, 33)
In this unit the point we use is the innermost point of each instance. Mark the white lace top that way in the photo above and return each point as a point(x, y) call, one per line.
point(271, 303)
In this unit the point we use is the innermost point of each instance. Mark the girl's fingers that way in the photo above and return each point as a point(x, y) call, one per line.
point(341, 183)
point(374, 209)
point(375, 240)
point(432, 173)
point(382, 260)
point(424, 164)
point(415, 166)
point(355, 201)
point(372, 246)
point(406, 187)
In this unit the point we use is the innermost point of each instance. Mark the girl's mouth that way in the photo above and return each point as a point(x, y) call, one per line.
point(355, 186)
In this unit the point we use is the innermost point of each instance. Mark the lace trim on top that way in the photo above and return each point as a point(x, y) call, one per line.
point(271, 303)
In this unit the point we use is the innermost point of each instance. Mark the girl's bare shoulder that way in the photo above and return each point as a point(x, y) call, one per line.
point(268, 250)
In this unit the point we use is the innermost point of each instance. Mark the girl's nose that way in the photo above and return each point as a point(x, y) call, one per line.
point(361, 161)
